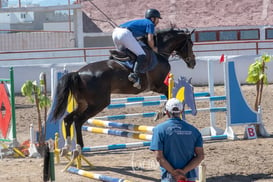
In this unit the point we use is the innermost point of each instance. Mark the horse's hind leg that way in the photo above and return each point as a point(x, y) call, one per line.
point(80, 119)
point(68, 120)
point(84, 111)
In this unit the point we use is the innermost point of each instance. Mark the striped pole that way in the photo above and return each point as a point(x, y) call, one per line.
point(211, 98)
point(117, 133)
point(153, 114)
point(109, 124)
point(213, 109)
point(134, 104)
point(116, 146)
point(216, 137)
point(201, 94)
point(151, 98)
point(94, 175)
point(125, 116)
point(138, 99)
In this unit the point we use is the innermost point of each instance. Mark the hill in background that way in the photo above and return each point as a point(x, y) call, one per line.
point(189, 13)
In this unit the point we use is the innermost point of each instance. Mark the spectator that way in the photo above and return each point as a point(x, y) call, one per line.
point(178, 146)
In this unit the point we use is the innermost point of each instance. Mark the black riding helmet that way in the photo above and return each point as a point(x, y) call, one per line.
point(152, 13)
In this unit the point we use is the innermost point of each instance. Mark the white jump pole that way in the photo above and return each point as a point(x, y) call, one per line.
point(212, 130)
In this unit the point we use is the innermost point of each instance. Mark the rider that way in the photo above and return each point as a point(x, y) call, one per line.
point(126, 35)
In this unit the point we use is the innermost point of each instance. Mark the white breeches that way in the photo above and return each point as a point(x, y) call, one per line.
point(123, 38)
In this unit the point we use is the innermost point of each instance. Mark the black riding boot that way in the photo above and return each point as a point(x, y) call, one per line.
point(135, 76)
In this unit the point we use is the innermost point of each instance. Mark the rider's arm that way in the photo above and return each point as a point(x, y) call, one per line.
point(176, 173)
point(199, 156)
point(151, 42)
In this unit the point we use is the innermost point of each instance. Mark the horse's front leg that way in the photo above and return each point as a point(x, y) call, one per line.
point(161, 113)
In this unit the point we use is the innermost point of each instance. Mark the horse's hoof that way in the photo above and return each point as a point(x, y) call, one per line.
point(64, 152)
point(158, 116)
point(75, 154)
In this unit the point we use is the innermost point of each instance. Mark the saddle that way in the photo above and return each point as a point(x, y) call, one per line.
point(125, 55)
point(128, 56)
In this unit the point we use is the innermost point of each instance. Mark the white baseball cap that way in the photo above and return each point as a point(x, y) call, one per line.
point(173, 105)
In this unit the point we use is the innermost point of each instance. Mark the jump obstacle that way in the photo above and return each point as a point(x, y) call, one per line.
point(7, 100)
point(139, 128)
point(233, 98)
point(238, 112)
point(198, 97)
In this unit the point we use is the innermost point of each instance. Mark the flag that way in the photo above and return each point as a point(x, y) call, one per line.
point(166, 81)
point(222, 58)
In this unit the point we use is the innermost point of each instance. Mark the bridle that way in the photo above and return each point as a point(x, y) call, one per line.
point(186, 42)
point(178, 47)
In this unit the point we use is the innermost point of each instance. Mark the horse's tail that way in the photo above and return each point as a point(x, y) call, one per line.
point(66, 86)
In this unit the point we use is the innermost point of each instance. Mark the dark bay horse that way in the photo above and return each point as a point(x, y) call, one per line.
point(93, 84)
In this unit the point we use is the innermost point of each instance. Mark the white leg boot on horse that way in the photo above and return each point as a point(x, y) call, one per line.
point(67, 146)
point(135, 76)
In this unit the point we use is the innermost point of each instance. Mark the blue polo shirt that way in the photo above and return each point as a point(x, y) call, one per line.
point(177, 139)
point(139, 27)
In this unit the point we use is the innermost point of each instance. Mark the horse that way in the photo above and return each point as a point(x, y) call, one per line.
point(92, 85)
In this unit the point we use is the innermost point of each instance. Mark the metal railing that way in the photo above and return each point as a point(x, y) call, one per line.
point(87, 55)
point(234, 47)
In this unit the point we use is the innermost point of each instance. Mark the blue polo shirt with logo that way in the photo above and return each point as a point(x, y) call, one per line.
point(177, 139)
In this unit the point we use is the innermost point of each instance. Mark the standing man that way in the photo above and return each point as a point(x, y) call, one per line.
point(126, 35)
point(178, 146)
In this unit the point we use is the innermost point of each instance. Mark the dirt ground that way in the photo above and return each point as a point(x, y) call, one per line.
point(226, 160)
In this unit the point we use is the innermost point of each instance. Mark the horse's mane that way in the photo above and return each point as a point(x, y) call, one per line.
point(168, 30)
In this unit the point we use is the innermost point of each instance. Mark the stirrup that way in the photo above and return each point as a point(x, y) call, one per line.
point(132, 77)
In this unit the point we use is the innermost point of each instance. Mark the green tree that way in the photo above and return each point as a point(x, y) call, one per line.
point(257, 75)
point(31, 90)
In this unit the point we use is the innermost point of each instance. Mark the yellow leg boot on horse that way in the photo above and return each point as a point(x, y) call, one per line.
point(135, 76)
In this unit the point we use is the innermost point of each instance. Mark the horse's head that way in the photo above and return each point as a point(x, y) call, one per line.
point(178, 42)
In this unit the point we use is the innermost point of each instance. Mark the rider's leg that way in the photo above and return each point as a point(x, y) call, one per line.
point(124, 38)
point(118, 37)
point(135, 76)
point(133, 45)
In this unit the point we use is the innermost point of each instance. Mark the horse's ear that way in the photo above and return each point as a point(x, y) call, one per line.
point(172, 25)
point(192, 31)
